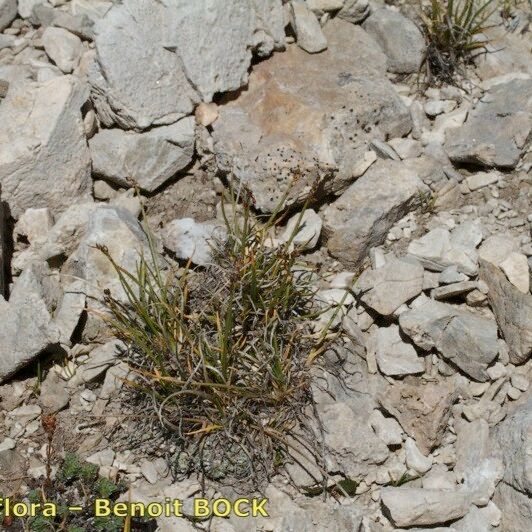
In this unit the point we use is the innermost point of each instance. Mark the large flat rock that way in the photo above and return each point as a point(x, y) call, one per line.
point(309, 117)
point(44, 158)
point(362, 216)
point(155, 60)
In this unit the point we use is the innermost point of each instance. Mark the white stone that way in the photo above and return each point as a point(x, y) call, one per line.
point(105, 457)
point(386, 428)
point(520, 382)
point(34, 225)
point(394, 356)
point(189, 239)
point(482, 179)
point(309, 230)
point(415, 459)
point(62, 47)
point(307, 28)
point(496, 248)
point(44, 158)
point(515, 266)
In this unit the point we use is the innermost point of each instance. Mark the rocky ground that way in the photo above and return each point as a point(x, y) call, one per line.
point(424, 214)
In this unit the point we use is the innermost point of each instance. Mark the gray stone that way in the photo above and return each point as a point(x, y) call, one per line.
point(515, 266)
point(69, 312)
point(99, 361)
point(497, 129)
point(8, 12)
point(309, 230)
point(320, 140)
point(62, 47)
point(513, 438)
point(27, 328)
point(453, 290)
point(497, 247)
point(465, 339)
point(148, 159)
point(386, 428)
point(361, 218)
point(451, 275)
point(119, 232)
point(415, 459)
point(482, 179)
point(44, 158)
point(394, 356)
point(486, 519)
point(307, 28)
point(387, 288)
point(92, 9)
point(54, 395)
point(416, 506)
point(189, 239)
point(513, 311)
point(354, 10)
point(25, 7)
point(3, 247)
point(400, 39)
point(354, 446)
point(80, 25)
point(440, 248)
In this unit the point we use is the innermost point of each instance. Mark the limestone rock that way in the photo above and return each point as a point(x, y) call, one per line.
point(44, 158)
point(307, 28)
point(3, 247)
point(394, 356)
point(309, 229)
point(62, 47)
point(387, 288)
point(278, 139)
point(497, 129)
point(465, 339)
point(361, 218)
point(440, 248)
point(148, 159)
point(415, 459)
point(386, 428)
point(192, 240)
point(513, 311)
point(415, 506)
point(515, 266)
point(27, 329)
point(497, 247)
point(8, 12)
point(400, 39)
point(514, 440)
point(354, 10)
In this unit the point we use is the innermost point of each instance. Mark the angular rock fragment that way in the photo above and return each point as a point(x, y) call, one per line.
point(8, 12)
point(513, 312)
point(309, 229)
point(148, 159)
point(415, 506)
point(361, 218)
point(387, 288)
point(62, 47)
point(497, 129)
point(27, 328)
point(44, 158)
point(515, 266)
point(192, 240)
point(307, 28)
point(465, 339)
point(394, 356)
point(400, 39)
point(423, 410)
point(354, 10)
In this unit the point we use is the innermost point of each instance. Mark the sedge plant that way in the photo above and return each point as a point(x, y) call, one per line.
point(454, 31)
point(222, 353)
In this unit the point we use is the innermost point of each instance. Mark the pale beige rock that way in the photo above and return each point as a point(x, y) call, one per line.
point(515, 266)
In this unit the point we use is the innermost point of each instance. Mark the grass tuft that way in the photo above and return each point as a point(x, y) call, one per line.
point(454, 33)
point(223, 352)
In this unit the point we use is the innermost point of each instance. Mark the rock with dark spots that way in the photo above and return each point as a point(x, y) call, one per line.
point(148, 159)
point(279, 139)
point(361, 218)
point(422, 409)
point(513, 311)
point(400, 39)
point(465, 339)
point(497, 130)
